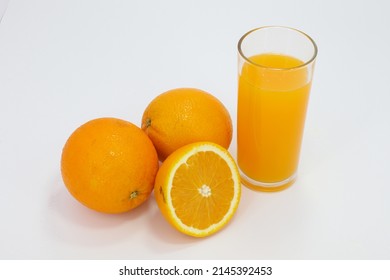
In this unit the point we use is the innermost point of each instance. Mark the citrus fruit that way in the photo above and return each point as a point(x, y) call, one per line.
point(198, 188)
point(186, 115)
point(109, 165)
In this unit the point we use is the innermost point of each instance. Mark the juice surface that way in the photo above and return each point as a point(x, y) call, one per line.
point(271, 114)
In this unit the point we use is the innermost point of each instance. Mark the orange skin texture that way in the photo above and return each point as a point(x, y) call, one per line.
point(183, 116)
point(109, 165)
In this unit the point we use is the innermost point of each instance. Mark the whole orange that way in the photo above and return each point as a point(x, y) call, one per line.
point(183, 116)
point(109, 165)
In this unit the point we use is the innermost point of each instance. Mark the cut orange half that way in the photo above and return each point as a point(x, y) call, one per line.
point(198, 188)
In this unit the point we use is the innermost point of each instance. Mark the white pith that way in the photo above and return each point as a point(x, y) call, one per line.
point(204, 191)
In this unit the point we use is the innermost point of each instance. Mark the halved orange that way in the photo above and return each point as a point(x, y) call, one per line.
point(198, 188)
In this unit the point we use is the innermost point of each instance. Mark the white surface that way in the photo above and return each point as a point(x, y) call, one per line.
point(64, 62)
point(3, 7)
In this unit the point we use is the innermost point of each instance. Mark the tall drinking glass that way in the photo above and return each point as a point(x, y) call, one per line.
point(275, 70)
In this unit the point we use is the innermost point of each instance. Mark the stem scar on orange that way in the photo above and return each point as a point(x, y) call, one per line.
point(198, 188)
point(109, 165)
point(183, 116)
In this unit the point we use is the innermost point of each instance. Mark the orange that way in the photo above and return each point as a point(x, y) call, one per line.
point(186, 115)
point(198, 188)
point(109, 165)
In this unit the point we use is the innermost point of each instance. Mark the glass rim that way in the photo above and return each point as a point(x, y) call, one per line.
point(304, 64)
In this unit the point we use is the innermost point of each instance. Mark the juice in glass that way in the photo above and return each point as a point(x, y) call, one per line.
point(273, 94)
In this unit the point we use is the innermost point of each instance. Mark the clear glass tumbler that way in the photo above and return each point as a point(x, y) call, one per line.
point(275, 70)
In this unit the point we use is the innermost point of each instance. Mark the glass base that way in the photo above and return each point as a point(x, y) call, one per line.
point(267, 187)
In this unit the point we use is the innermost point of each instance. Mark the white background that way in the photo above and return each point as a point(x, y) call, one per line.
point(64, 62)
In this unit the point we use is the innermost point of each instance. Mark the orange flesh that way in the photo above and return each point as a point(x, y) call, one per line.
point(207, 173)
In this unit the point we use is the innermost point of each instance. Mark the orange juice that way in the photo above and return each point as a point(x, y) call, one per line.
point(273, 93)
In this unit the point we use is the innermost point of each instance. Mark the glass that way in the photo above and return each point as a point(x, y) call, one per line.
point(275, 70)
